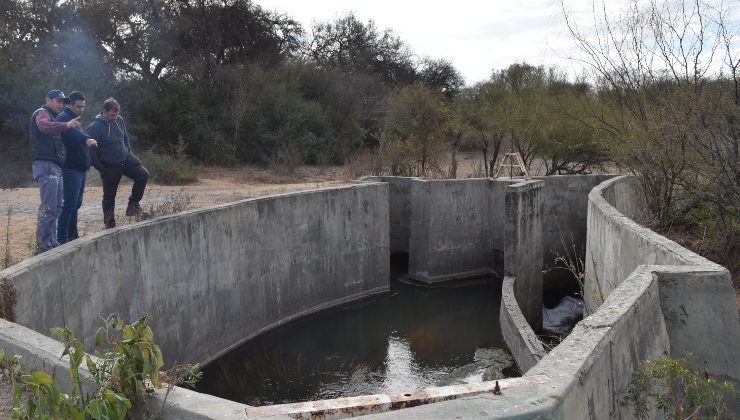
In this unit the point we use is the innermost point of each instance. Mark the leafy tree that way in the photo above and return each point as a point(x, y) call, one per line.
point(481, 112)
point(442, 76)
point(416, 122)
point(356, 47)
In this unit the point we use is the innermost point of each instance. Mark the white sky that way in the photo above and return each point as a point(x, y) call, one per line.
point(477, 36)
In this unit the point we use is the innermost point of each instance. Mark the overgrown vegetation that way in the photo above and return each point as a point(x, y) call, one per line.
point(126, 368)
point(170, 169)
point(671, 387)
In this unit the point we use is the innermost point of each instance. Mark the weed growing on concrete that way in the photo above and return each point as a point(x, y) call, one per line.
point(670, 386)
point(7, 256)
point(126, 368)
point(573, 263)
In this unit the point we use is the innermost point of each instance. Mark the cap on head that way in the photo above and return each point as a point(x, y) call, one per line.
point(57, 94)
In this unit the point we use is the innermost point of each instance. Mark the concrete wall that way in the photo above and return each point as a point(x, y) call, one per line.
point(697, 297)
point(212, 278)
point(399, 209)
point(654, 310)
point(521, 339)
point(456, 228)
point(565, 199)
point(523, 247)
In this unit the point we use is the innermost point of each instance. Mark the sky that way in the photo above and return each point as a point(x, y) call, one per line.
point(476, 36)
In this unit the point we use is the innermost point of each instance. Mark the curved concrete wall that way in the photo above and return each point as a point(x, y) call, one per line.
point(697, 299)
point(213, 278)
point(654, 310)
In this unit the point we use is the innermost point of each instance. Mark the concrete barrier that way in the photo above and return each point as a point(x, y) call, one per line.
point(697, 297)
point(519, 335)
point(399, 209)
point(456, 228)
point(687, 305)
point(565, 218)
point(213, 278)
point(523, 247)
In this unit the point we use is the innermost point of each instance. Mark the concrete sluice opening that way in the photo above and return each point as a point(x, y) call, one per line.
point(413, 337)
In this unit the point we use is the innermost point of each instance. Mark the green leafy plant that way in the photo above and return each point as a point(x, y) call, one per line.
point(670, 386)
point(126, 368)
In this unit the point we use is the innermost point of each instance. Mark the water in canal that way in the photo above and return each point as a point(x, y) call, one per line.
point(411, 338)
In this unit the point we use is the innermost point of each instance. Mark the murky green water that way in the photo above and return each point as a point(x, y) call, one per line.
point(413, 337)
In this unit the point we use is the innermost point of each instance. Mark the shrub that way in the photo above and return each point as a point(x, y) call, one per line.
point(679, 392)
point(169, 170)
point(127, 367)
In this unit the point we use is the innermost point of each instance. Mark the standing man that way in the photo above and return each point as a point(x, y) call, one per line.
point(77, 145)
point(47, 152)
point(114, 158)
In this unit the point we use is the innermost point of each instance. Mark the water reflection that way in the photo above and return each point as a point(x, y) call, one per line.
point(410, 338)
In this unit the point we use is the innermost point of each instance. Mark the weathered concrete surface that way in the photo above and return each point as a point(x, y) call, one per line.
point(212, 278)
point(521, 339)
point(523, 247)
point(399, 209)
point(456, 228)
point(697, 297)
point(654, 310)
point(565, 218)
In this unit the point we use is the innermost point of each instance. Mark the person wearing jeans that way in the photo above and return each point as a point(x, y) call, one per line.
point(74, 170)
point(48, 153)
point(113, 158)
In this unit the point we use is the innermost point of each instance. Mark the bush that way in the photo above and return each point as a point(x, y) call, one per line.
point(169, 170)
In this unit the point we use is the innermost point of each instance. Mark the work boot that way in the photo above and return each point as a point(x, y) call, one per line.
point(133, 209)
point(109, 219)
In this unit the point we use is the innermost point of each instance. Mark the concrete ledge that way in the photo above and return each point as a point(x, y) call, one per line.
point(521, 339)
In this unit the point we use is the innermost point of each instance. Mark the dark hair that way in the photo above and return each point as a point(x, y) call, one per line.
point(76, 96)
point(110, 103)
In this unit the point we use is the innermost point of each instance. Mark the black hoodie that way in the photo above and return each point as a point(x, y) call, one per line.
point(113, 144)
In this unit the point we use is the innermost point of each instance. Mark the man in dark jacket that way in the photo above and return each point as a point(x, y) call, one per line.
point(47, 152)
point(74, 170)
point(114, 158)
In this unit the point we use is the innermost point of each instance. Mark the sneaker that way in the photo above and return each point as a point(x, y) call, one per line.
point(133, 209)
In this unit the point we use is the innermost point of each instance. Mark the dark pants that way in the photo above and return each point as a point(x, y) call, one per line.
point(111, 177)
point(74, 187)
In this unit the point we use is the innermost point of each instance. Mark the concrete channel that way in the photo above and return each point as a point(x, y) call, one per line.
point(213, 278)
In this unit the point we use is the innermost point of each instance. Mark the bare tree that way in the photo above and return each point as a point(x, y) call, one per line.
point(658, 97)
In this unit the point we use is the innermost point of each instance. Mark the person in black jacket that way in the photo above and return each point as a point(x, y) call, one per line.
point(114, 158)
point(74, 170)
point(48, 154)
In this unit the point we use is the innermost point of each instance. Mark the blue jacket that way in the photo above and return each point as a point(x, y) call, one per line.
point(78, 152)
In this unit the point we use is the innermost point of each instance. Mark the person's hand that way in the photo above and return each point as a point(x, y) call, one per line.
point(74, 123)
point(91, 143)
